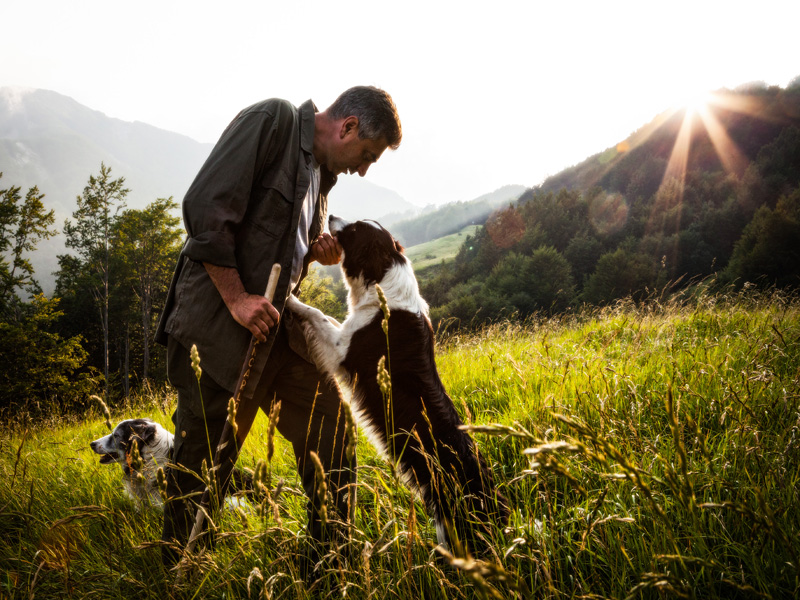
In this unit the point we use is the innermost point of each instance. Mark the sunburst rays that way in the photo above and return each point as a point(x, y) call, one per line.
point(699, 115)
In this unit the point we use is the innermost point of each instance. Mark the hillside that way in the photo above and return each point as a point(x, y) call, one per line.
point(437, 221)
point(713, 192)
point(751, 119)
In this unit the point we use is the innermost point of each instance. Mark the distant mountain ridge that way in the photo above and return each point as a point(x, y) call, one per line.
point(52, 141)
point(438, 221)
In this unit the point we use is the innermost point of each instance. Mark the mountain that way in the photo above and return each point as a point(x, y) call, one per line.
point(726, 134)
point(51, 141)
point(437, 221)
point(356, 198)
point(55, 143)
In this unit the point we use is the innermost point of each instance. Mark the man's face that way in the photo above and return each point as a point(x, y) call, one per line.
point(352, 154)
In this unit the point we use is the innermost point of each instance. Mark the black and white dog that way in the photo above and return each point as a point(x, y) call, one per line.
point(154, 444)
point(418, 427)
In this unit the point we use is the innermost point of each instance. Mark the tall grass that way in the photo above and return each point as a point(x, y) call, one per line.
point(646, 450)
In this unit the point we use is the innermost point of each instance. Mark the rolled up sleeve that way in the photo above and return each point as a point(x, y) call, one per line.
point(217, 200)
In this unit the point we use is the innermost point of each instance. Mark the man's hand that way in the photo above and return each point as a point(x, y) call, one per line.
point(254, 313)
point(326, 250)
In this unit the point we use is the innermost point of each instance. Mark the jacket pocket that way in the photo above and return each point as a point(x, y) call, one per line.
point(273, 210)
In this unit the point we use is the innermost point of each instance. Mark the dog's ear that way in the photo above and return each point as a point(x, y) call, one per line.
point(145, 431)
point(399, 247)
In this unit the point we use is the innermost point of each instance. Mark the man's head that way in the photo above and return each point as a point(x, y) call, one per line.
point(355, 130)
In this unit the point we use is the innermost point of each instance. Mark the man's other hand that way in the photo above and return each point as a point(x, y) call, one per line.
point(255, 313)
point(326, 250)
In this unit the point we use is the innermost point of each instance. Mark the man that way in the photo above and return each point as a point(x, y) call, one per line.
point(259, 199)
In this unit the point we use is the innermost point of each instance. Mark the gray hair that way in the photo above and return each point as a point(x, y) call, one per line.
point(376, 112)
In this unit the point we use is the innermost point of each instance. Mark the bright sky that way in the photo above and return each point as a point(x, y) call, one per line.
point(490, 93)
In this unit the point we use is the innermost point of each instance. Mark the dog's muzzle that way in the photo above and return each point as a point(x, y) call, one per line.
point(336, 224)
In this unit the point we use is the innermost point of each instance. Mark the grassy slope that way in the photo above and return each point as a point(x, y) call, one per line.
point(642, 450)
point(438, 250)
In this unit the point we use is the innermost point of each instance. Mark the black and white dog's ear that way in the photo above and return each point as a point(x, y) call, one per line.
point(145, 431)
point(399, 247)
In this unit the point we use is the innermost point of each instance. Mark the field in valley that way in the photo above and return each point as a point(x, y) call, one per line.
point(438, 250)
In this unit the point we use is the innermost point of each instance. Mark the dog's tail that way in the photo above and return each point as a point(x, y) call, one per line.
point(469, 510)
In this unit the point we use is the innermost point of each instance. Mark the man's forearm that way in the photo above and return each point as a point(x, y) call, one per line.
point(228, 283)
point(251, 311)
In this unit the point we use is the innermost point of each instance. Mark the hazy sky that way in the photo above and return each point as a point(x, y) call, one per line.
point(490, 93)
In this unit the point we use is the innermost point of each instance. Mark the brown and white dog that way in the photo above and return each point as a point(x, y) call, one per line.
point(419, 427)
point(154, 444)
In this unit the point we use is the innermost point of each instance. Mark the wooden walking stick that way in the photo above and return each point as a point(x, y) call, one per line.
point(233, 436)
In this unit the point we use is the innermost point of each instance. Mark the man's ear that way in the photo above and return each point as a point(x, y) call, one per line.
point(349, 127)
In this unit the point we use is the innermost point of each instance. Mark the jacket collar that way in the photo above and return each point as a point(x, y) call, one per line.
point(307, 110)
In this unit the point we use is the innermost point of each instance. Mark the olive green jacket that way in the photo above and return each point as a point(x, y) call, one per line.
point(242, 211)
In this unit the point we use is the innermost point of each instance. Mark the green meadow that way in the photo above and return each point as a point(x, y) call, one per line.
point(647, 451)
point(441, 249)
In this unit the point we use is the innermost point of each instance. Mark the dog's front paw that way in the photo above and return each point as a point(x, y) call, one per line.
point(294, 305)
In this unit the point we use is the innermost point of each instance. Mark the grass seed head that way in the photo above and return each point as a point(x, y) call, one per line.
point(322, 488)
point(161, 481)
point(232, 415)
point(274, 415)
point(384, 379)
point(195, 355)
point(352, 431)
point(104, 408)
point(383, 303)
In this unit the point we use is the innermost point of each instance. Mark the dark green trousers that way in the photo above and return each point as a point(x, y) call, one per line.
point(311, 418)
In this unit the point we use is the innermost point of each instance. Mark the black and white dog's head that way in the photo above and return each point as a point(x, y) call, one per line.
point(152, 441)
point(154, 444)
point(371, 255)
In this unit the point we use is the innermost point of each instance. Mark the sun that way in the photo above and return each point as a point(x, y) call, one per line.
point(697, 103)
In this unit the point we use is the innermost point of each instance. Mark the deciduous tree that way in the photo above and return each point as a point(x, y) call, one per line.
point(89, 236)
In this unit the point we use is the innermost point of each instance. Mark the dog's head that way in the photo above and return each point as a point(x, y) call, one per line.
point(369, 250)
point(116, 446)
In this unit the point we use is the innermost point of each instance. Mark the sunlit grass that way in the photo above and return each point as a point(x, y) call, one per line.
point(645, 450)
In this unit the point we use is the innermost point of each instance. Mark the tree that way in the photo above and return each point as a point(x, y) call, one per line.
point(22, 226)
point(768, 251)
point(619, 274)
point(147, 244)
point(320, 291)
point(40, 369)
point(42, 372)
point(90, 237)
point(542, 281)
